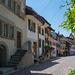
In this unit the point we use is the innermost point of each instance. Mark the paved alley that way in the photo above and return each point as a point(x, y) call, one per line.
point(58, 66)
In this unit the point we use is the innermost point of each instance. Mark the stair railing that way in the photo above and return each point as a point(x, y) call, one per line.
point(25, 46)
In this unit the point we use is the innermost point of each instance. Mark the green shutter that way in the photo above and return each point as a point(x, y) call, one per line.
point(29, 24)
point(34, 27)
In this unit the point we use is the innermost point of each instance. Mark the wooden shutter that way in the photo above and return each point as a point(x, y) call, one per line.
point(29, 24)
point(34, 27)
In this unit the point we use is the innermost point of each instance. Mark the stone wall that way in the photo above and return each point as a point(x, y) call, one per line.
point(26, 61)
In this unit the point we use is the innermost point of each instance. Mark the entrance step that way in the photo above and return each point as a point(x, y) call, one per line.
point(4, 70)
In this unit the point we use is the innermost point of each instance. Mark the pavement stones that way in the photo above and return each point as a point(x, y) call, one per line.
point(57, 66)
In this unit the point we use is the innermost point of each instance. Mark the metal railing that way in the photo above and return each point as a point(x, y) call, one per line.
point(27, 45)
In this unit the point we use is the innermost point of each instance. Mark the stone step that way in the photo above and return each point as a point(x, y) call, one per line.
point(13, 62)
point(12, 65)
point(16, 57)
point(19, 54)
point(6, 69)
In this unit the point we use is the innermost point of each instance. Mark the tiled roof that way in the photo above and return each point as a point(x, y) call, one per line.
point(30, 11)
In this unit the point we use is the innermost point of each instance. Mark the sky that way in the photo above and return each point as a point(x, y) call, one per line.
point(51, 12)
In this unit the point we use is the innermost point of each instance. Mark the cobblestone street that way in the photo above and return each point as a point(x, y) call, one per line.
point(58, 66)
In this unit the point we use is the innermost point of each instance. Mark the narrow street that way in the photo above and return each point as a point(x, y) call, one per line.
point(58, 66)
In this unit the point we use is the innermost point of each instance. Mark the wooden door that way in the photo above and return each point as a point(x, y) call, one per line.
point(35, 49)
point(18, 39)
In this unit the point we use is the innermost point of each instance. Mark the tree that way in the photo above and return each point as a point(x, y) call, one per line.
point(69, 23)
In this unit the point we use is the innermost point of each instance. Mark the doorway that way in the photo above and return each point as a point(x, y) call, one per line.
point(2, 56)
point(35, 49)
point(18, 39)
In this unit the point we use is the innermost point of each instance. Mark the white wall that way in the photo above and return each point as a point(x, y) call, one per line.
point(42, 37)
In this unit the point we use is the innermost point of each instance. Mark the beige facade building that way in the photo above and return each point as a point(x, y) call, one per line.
point(12, 32)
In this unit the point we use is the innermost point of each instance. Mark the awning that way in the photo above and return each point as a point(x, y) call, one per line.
point(6, 20)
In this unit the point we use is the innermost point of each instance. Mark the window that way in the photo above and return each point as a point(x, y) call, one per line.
point(3, 1)
point(31, 25)
point(10, 32)
point(18, 8)
point(39, 42)
point(50, 42)
point(46, 40)
point(9, 3)
point(53, 44)
point(45, 30)
point(42, 31)
point(6, 30)
point(13, 4)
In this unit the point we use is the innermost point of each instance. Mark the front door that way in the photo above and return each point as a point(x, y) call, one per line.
point(18, 39)
point(35, 49)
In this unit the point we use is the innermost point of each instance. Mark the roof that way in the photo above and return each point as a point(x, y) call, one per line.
point(30, 11)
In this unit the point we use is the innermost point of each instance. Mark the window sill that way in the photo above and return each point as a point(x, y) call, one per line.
point(6, 37)
point(11, 10)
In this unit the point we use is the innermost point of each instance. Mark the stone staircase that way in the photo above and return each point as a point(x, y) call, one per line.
point(16, 58)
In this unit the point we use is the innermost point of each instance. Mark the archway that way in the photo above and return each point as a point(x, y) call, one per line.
point(2, 56)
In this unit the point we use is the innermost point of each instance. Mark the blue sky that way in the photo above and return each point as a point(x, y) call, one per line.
point(51, 12)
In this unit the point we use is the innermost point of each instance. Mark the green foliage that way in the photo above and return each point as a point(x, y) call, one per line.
point(72, 72)
point(47, 47)
point(69, 23)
